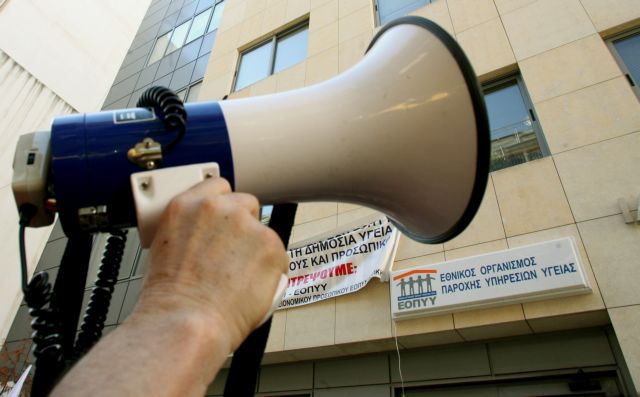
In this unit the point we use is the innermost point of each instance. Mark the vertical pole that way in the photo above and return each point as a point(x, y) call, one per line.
point(245, 364)
point(66, 302)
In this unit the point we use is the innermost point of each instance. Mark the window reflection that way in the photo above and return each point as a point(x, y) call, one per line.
point(255, 65)
point(187, 32)
point(629, 50)
point(265, 214)
point(159, 48)
point(194, 90)
point(199, 25)
point(178, 36)
point(262, 61)
point(217, 15)
point(513, 137)
point(291, 50)
point(391, 9)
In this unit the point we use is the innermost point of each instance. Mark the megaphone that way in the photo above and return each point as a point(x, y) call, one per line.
point(404, 132)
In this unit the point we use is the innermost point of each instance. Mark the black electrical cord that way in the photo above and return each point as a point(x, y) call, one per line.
point(27, 212)
point(23, 259)
point(170, 108)
point(47, 335)
point(54, 328)
point(98, 307)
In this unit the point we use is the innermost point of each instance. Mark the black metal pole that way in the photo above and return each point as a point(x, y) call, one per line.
point(245, 364)
point(66, 302)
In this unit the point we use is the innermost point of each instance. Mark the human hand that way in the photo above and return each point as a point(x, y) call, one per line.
point(212, 259)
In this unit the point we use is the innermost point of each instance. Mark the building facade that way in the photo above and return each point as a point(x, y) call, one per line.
point(561, 84)
point(54, 59)
point(564, 120)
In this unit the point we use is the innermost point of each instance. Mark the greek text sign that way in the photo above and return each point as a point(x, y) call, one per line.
point(340, 264)
point(541, 271)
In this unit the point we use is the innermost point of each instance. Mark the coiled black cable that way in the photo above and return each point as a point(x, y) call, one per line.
point(98, 307)
point(170, 108)
point(46, 325)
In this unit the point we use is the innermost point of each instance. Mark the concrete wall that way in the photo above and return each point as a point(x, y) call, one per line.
point(591, 121)
point(73, 47)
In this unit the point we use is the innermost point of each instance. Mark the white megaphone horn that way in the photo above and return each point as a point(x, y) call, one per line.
point(404, 131)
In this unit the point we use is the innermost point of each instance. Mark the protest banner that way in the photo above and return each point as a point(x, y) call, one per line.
point(340, 264)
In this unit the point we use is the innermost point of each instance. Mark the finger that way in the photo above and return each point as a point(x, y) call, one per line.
point(284, 262)
point(210, 187)
point(246, 201)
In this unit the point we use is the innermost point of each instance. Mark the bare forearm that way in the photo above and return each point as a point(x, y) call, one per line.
point(148, 355)
point(190, 314)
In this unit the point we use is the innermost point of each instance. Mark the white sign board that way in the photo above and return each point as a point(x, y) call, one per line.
point(541, 271)
point(340, 264)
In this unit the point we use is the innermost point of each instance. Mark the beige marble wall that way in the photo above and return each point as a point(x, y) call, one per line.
point(74, 48)
point(590, 118)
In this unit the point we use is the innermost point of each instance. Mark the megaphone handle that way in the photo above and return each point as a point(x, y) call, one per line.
point(153, 190)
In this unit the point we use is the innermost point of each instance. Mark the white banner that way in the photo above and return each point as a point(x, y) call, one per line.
point(340, 264)
point(541, 271)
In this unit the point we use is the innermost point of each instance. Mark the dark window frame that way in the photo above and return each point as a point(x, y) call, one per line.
point(516, 79)
point(635, 85)
point(274, 45)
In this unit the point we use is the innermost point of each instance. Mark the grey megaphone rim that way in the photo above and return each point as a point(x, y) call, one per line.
point(482, 126)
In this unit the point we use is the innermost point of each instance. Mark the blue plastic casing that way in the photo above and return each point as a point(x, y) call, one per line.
point(89, 157)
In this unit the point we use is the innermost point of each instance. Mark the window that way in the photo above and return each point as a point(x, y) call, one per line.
point(194, 90)
point(626, 49)
point(178, 36)
point(279, 53)
point(190, 93)
point(217, 15)
point(182, 93)
point(265, 214)
point(255, 65)
point(187, 32)
point(388, 10)
point(516, 136)
point(290, 50)
point(199, 25)
point(159, 48)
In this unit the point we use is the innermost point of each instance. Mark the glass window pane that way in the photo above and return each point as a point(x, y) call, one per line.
point(392, 9)
point(629, 50)
point(513, 138)
point(158, 49)
point(254, 65)
point(265, 214)
point(177, 38)
point(193, 92)
point(198, 26)
point(291, 49)
point(217, 15)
